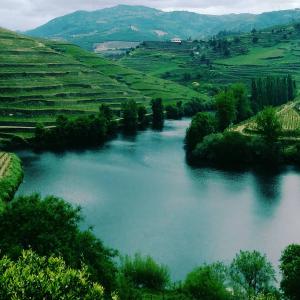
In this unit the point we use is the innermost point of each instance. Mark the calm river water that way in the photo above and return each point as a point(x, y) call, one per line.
point(141, 196)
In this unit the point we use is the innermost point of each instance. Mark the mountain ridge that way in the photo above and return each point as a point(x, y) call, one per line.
point(142, 23)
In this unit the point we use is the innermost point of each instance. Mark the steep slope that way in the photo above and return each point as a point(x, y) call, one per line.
point(40, 80)
point(138, 23)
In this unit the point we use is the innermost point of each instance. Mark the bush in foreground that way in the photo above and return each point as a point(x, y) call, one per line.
point(290, 269)
point(144, 272)
point(50, 226)
point(207, 283)
point(34, 277)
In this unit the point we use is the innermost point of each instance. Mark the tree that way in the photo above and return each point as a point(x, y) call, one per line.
point(243, 106)
point(51, 226)
point(226, 109)
point(268, 124)
point(157, 114)
point(130, 116)
point(34, 277)
point(144, 272)
point(207, 283)
point(252, 274)
point(106, 111)
point(202, 125)
point(290, 269)
point(254, 95)
point(142, 117)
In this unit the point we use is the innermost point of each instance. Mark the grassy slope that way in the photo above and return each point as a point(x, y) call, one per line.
point(40, 79)
point(11, 175)
point(276, 52)
point(150, 86)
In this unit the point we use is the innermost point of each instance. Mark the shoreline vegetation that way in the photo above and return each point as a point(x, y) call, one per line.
point(49, 249)
point(11, 177)
point(236, 137)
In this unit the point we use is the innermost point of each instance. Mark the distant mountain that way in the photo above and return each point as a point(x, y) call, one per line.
point(139, 23)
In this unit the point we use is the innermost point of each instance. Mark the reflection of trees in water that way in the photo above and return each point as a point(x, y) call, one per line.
point(267, 185)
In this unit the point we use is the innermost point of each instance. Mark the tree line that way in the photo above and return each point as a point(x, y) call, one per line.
point(49, 256)
point(93, 130)
point(272, 91)
point(209, 139)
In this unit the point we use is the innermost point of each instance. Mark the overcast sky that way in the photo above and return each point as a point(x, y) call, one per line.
point(27, 14)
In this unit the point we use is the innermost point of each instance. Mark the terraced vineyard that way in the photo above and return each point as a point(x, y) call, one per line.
point(4, 163)
point(289, 116)
point(11, 175)
point(149, 86)
point(40, 80)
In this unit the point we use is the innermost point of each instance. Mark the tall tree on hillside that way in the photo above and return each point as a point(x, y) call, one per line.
point(130, 116)
point(291, 87)
point(226, 109)
point(157, 114)
point(243, 106)
point(254, 95)
point(268, 124)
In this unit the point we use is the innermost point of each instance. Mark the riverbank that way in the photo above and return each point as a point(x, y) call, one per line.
point(140, 196)
point(11, 176)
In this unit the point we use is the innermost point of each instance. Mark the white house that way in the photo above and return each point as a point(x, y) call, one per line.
point(176, 40)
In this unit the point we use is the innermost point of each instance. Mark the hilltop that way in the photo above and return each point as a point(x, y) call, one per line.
point(40, 80)
point(139, 23)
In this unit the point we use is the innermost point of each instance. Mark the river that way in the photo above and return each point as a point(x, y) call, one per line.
point(141, 196)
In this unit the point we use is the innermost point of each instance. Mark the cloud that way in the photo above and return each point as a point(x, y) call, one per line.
point(26, 14)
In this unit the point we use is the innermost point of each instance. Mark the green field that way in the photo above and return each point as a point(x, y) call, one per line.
point(41, 79)
point(202, 66)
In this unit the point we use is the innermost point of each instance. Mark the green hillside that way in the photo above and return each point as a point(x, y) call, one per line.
point(139, 23)
point(205, 65)
point(289, 116)
point(40, 80)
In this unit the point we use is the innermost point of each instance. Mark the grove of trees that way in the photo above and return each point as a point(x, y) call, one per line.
point(272, 91)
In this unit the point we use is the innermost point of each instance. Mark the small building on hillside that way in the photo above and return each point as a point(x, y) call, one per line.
point(176, 40)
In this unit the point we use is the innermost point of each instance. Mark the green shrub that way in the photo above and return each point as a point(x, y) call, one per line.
point(11, 181)
point(202, 125)
point(207, 283)
point(50, 226)
point(144, 272)
point(34, 277)
point(290, 269)
point(252, 274)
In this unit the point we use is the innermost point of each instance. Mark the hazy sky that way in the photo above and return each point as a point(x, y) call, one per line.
point(27, 14)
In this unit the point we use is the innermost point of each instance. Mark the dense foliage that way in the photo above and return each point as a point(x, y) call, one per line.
point(290, 268)
point(144, 272)
point(34, 277)
point(252, 274)
point(50, 226)
point(83, 131)
point(174, 112)
point(202, 125)
point(11, 180)
point(268, 124)
point(272, 91)
point(129, 114)
point(207, 283)
point(157, 114)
